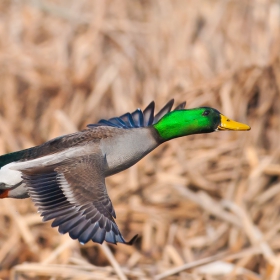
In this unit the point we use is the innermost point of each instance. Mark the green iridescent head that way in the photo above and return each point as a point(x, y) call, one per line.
point(194, 121)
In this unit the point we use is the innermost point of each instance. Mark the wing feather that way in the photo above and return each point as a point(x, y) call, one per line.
point(139, 118)
point(166, 109)
point(73, 194)
point(181, 106)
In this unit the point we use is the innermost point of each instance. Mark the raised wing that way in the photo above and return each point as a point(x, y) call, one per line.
point(139, 118)
point(75, 196)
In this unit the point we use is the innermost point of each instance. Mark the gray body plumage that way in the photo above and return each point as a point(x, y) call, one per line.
point(120, 149)
point(127, 148)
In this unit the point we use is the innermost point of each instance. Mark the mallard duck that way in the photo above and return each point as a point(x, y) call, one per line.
point(65, 177)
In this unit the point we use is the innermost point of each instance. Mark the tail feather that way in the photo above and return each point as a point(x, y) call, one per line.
point(4, 193)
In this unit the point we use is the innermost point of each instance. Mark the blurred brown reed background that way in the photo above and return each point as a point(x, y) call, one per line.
point(205, 206)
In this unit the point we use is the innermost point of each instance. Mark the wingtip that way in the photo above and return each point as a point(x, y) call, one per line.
point(148, 114)
point(171, 101)
point(150, 106)
point(181, 106)
point(169, 104)
point(132, 240)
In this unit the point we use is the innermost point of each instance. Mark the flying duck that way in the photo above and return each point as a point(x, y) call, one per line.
point(65, 177)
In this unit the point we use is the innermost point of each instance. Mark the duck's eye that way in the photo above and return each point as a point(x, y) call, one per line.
point(206, 113)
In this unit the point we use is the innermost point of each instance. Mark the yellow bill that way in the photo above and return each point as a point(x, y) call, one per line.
point(228, 124)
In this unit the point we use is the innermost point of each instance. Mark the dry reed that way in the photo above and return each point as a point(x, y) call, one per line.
point(205, 206)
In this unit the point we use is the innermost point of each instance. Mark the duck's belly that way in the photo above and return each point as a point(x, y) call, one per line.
point(124, 150)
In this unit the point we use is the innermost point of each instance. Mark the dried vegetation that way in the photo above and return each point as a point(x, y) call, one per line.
point(205, 206)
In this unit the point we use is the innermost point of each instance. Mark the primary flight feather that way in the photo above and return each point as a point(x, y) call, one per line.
point(65, 177)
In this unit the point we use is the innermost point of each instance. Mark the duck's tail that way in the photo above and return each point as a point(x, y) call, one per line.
point(9, 187)
point(4, 193)
point(18, 191)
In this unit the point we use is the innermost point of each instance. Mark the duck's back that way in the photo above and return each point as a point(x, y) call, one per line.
point(57, 145)
point(53, 146)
